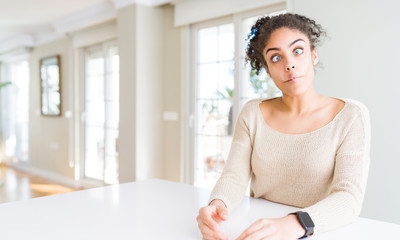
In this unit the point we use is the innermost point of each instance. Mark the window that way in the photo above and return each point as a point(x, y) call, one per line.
point(101, 128)
point(214, 92)
point(222, 84)
point(15, 110)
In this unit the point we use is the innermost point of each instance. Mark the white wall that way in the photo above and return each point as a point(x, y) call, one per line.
point(150, 84)
point(149, 103)
point(361, 61)
point(171, 95)
point(50, 137)
point(127, 87)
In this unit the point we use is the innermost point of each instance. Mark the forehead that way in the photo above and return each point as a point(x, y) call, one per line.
point(283, 37)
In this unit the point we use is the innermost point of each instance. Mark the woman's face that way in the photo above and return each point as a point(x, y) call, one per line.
point(290, 61)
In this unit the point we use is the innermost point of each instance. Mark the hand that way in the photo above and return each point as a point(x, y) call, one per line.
point(286, 228)
point(210, 218)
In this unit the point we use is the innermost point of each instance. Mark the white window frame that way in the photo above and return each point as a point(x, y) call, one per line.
point(19, 56)
point(80, 164)
point(193, 86)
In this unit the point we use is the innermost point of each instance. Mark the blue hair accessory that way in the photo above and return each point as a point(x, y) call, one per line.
point(253, 33)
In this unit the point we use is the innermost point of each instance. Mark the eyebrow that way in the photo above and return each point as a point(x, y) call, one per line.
point(276, 49)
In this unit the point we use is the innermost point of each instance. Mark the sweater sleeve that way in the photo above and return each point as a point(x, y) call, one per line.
point(235, 177)
point(344, 201)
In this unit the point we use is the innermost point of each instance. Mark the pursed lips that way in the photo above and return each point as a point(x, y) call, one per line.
point(292, 78)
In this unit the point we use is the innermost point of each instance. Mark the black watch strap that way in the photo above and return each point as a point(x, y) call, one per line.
point(306, 222)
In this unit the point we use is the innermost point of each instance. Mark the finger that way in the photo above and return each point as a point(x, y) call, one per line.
point(210, 234)
point(252, 228)
point(222, 213)
point(262, 233)
point(205, 216)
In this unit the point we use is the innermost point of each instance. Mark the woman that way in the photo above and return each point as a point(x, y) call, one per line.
point(302, 149)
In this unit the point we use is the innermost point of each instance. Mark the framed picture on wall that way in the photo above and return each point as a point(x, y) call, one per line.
point(50, 85)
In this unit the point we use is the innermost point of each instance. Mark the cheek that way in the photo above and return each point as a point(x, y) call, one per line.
point(273, 68)
point(305, 62)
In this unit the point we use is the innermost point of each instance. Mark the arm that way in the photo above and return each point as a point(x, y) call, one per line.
point(229, 189)
point(234, 179)
point(343, 204)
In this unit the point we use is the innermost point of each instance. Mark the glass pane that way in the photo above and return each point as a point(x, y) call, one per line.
point(94, 88)
point(15, 110)
point(53, 79)
point(112, 86)
point(93, 166)
point(207, 81)
point(115, 64)
point(226, 41)
point(113, 60)
point(212, 154)
point(226, 80)
point(102, 113)
point(95, 113)
point(112, 114)
point(214, 117)
point(95, 64)
point(208, 45)
point(214, 97)
point(111, 142)
point(94, 159)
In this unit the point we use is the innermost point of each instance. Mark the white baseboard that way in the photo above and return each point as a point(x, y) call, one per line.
point(55, 177)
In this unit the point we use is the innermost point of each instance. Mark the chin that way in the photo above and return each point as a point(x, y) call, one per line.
point(295, 92)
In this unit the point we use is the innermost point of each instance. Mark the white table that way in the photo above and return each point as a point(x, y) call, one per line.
point(153, 209)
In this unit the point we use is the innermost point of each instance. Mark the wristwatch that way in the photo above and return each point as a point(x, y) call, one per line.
point(306, 223)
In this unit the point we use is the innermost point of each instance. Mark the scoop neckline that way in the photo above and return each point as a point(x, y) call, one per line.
point(301, 134)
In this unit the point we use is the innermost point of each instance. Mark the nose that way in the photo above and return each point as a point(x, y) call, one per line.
point(290, 67)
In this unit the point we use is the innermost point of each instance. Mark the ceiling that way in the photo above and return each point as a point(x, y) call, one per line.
point(37, 17)
point(33, 16)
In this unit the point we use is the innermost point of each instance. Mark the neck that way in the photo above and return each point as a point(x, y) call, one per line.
point(302, 103)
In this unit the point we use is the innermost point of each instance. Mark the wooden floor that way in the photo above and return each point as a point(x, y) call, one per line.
point(16, 185)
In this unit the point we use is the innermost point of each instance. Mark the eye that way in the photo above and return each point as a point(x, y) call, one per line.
point(275, 58)
point(298, 51)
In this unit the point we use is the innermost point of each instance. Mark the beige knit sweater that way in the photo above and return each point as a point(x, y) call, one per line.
point(323, 171)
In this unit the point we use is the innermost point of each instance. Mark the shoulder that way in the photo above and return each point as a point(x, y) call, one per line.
point(356, 127)
point(357, 116)
point(251, 106)
point(249, 113)
point(356, 108)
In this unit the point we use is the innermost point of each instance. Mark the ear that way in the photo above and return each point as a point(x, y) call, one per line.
point(315, 56)
point(267, 70)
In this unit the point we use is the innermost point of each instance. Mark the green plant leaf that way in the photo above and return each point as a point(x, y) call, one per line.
point(4, 84)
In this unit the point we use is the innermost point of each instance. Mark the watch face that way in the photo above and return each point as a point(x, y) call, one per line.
point(306, 219)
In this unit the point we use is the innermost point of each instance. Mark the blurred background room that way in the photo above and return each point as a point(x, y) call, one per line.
point(102, 92)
